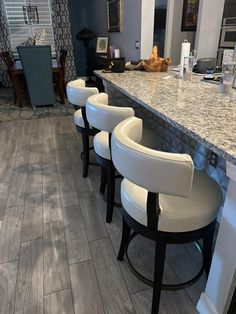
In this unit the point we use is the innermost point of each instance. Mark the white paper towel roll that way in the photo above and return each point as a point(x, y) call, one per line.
point(116, 53)
point(185, 50)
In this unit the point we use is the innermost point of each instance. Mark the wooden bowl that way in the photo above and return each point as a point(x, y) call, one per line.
point(157, 65)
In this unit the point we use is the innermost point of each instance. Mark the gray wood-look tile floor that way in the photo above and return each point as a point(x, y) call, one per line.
point(57, 254)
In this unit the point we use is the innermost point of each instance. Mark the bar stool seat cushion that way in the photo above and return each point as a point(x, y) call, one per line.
point(178, 214)
point(101, 145)
point(78, 119)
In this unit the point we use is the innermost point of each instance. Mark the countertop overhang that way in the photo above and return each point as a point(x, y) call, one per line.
point(193, 107)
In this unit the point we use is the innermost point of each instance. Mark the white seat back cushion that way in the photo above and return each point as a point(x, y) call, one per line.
point(158, 172)
point(101, 145)
point(78, 119)
point(104, 117)
point(78, 94)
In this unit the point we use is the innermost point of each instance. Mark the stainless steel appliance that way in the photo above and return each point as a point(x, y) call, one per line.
point(228, 33)
point(227, 37)
point(204, 63)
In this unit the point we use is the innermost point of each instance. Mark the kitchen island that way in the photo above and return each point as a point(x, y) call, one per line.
point(199, 111)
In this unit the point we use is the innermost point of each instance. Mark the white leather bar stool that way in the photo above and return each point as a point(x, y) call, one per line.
point(77, 94)
point(164, 199)
point(104, 117)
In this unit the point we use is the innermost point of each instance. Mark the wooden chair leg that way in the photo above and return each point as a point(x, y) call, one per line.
point(15, 98)
point(124, 240)
point(17, 88)
point(207, 251)
point(103, 182)
point(160, 253)
point(61, 87)
point(85, 140)
point(110, 191)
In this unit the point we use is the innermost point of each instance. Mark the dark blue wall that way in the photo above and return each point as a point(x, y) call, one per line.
point(80, 17)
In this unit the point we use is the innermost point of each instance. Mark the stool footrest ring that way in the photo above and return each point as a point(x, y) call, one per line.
point(103, 196)
point(164, 286)
point(90, 163)
point(118, 176)
point(82, 154)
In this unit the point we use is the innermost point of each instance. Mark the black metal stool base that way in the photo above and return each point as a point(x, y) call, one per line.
point(90, 163)
point(164, 286)
point(104, 198)
point(108, 177)
point(85, 133)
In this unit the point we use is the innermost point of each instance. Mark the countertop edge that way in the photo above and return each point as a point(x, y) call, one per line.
point(180, 127)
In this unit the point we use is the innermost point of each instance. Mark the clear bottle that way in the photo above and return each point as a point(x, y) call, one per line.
point(227, 78)
point(188, 68)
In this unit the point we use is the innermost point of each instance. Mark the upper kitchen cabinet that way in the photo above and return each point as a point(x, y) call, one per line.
point(230, 8)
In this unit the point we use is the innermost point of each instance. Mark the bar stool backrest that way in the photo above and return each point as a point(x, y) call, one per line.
point(78, 94)
point(104, 117)
point(156, 171)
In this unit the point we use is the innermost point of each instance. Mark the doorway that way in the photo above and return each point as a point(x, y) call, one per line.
point(160, 25)
point(174, 35)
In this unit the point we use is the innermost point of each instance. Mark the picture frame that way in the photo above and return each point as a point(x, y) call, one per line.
point(114, 15)
point(31, 14)
point(189, 15)
point(102, 45)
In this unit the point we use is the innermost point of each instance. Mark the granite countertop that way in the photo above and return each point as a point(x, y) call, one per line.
point(194, 107)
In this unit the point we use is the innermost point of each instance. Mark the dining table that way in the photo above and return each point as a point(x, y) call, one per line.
point(17, 72)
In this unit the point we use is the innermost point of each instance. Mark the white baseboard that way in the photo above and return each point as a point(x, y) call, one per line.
point(205, 306)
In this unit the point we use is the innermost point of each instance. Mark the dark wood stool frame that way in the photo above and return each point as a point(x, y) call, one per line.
point(107, 179)
point(161, 240)
point(85, 133)
point(108, 176)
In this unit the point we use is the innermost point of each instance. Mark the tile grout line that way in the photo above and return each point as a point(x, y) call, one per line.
point(87, 241)
point(92, 261)
point(40, 132)
point(54, 292)
point(121, 270)
point(63, 225)
point(17, 273)
point(10, 183)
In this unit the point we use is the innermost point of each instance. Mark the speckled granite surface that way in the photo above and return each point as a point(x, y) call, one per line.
point(195, 108)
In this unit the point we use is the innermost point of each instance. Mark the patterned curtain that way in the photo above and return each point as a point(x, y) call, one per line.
point(62, 35)
point(4, 46)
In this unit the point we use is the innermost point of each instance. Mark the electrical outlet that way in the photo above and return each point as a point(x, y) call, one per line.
point(137, 44)
point(213, 159)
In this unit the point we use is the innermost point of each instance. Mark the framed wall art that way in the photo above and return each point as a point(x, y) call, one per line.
point(102, 45)
point(114, 15)
point(189, 15)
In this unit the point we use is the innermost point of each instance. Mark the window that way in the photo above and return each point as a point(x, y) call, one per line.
point(20, 31)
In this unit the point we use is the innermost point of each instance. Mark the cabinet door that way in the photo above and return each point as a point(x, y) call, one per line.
point(230, 8)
